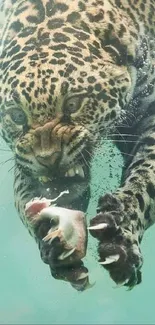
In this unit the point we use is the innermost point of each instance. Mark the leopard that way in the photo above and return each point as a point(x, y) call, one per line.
point(74, 73)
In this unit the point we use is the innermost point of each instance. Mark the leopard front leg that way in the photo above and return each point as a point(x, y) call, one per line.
point(123, 217)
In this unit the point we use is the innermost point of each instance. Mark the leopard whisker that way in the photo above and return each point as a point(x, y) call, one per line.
point(84, 160)
point(11, 168)
point(127, 141)
point(4, 162)
point(89, 153)
point(128, 116)
point(124, 126)
point(126, 154)
point(123, 134)
point(5, 150)
point(119, 134)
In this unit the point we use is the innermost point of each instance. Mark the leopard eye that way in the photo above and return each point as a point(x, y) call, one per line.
point(72, 104)
point(18, 116)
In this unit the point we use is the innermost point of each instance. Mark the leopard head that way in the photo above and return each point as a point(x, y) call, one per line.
point(57, 100)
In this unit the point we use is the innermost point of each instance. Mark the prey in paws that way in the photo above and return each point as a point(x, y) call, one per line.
point(62, 237)
point(62, 232)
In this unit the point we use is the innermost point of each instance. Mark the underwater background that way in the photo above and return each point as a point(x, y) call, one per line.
point(29, 294)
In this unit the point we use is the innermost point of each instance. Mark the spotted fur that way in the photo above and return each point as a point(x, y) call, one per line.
point(71, 73)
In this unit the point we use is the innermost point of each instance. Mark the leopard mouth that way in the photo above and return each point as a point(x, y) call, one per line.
point(75, 180)
point(76, 171)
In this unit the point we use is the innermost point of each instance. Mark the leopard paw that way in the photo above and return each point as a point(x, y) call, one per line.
point(77, 275)
point(118, 248)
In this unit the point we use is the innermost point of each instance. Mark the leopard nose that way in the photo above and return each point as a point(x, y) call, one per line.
point(50, 159)
point(47, 145)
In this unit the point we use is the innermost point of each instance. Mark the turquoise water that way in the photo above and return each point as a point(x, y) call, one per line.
point(28, 293)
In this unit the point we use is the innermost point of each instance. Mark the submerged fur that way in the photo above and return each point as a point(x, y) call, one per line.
point(71, 73)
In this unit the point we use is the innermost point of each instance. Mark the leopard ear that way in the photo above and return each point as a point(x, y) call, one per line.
point(6, 6)
point(121, 51)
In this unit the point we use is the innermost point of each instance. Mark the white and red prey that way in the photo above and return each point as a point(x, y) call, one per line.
point(69, 226)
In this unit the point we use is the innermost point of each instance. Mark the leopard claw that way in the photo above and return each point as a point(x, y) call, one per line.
point(121, 284)
point(98, 227)
point(83, 276)
point(66, 254)
point(111, 259)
